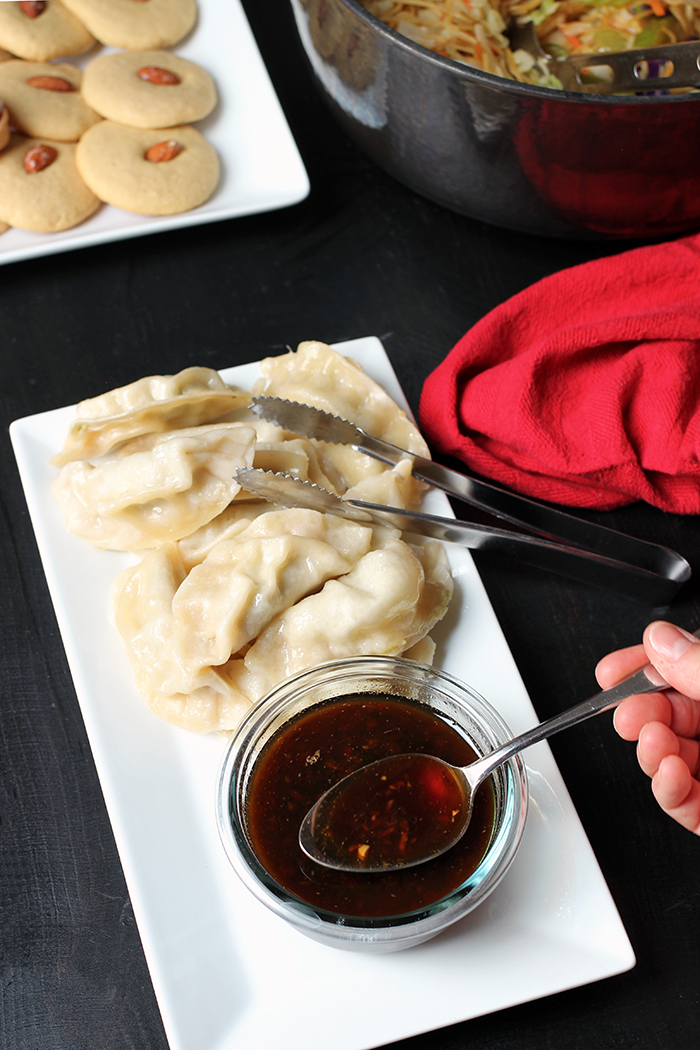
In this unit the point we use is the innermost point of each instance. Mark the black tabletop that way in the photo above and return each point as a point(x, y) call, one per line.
point(361, 256)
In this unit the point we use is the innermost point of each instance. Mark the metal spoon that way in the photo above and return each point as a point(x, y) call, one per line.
point(406, 809)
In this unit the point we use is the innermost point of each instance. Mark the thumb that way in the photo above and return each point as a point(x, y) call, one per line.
point(676, 655)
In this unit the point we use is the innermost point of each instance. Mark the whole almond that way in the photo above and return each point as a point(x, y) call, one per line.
point(50, 83)
point(32, 8)
point(157, 75)
point(163, 151)
point(39, 157)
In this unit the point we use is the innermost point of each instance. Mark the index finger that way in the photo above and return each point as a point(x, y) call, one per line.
point(678, 712)
point(620, 664)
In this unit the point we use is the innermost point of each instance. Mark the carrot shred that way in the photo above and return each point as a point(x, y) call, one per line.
point(658, 8)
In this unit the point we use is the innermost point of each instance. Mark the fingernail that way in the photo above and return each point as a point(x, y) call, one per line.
point(670, 641)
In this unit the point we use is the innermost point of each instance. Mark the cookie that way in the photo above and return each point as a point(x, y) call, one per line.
point(3, 227)
point(44, 99)
point(148, 89)
point(137, 26)
point(41, 30)
point(40, 188)
point(4, 126)
point(150, 172)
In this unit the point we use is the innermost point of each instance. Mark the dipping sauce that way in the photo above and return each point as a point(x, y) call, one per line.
point(316, 749)
point(394, 813)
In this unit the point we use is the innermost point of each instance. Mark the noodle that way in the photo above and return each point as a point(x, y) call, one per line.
point(473, 31)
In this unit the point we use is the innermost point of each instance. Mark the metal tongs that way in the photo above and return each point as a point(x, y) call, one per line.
point(640, 69)
point(558, 542)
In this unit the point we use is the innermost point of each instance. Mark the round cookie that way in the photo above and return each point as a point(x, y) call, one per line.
point(4, 126)
point(3, 227)
point(148, 89)
point(137, 26)
point(47, 200)
point(38, 110)
point(53, 33)
point(112, 160)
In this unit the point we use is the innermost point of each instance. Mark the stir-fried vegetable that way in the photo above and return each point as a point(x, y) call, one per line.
point(474, 31)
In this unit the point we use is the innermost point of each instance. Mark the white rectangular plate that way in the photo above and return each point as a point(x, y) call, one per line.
point(260, 165)
point(227, 973)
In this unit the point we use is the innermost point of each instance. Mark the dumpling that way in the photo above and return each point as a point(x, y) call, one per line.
point(142, 598)
point(318, 375)
point(390, 600)
point(154, 404)
point(173, 484)
point(226, 601)
point(179, 627)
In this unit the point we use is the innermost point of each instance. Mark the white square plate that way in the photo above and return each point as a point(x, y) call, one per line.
point(226, 972)
point(260, 165)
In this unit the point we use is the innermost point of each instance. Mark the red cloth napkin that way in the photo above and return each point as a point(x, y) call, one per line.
point(584, 389)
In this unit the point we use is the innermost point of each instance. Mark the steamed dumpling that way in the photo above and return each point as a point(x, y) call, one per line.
point(171, 485)
point(178, 628)
point(317, 375)
point(226, 601)
point(142, 599)
point(390, 601)
point(153, 404)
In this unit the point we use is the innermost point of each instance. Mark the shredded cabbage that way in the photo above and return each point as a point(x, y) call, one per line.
point(473, 31)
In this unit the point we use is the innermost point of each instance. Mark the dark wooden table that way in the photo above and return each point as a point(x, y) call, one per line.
point(362, 255)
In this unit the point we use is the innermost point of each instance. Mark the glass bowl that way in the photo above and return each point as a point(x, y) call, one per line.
point(455, 703)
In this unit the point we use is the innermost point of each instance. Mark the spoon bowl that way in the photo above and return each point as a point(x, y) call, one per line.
point(405, 810)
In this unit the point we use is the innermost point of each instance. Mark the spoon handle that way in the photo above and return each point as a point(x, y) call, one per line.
point(647, 680)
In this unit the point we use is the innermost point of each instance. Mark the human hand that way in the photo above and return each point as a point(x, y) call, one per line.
point(666, 725)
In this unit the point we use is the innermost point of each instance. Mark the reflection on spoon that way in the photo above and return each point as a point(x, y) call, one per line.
point(406, 809)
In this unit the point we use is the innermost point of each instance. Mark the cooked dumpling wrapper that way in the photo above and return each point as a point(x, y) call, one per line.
point(300, 458)
point(390, 600)
point(142, 598)
point(391, 488)
point(214, 708)
point(154, 404)
point(232, 520)
point(422, 652)
point(227, 600)
point(174, 484)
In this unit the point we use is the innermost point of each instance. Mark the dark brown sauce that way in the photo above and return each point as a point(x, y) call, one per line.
point(399, 811)
point(315, 750)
